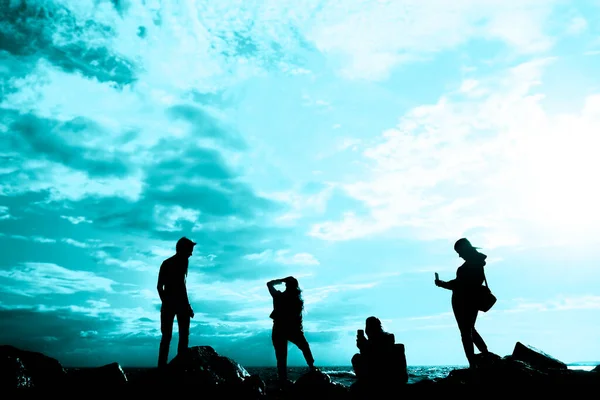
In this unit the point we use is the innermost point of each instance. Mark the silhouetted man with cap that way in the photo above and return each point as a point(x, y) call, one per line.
point(173, 294)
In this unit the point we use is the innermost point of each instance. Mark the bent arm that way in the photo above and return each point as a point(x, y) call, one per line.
point(160, 286)
point(271, 286)
point(447, 284)
point(362, 343)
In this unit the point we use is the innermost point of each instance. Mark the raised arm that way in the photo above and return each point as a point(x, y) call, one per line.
point(271, 286)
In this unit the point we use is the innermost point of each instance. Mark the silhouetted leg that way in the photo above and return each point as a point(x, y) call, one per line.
point(280, 343)
point(478, 341)
point(299, 340)
point(183, 323)
point(166, 330)
point(465, 322)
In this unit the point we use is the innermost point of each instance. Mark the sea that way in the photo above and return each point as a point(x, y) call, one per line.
point(345, 375)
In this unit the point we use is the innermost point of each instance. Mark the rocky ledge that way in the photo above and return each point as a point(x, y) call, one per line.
point(211, 375)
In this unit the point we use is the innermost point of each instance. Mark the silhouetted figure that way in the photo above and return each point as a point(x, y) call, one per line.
point(287, 323)
point(173, 294)
point(465, 289)
point(377, 361)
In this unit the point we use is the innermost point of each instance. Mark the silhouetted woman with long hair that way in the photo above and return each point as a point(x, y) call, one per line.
point(465, 288)
point(287, 323)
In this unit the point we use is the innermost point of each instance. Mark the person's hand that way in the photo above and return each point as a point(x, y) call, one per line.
point(191, 311)
point(360, 341)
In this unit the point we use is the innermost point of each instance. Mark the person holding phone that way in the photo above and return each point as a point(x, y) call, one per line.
point(287, 324)
point(469, 277)
point(375, 350)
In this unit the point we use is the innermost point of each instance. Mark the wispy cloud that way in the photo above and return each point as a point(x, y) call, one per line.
point(284, 257)
point(76, 220)
point(5, 213)
point(435, 177)
point(372, 53)
point(562, 303)
point(32, 279)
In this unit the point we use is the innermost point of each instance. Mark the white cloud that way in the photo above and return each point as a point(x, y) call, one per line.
point(5, 213)
point(76, 220)
point(75, 243)
point(301, 204)
point(65, 183)
point(132, 264)
point(285, 257)
point(33, 279)
point(561, 303)
point(497, 163)
point(38, 239)
point(577, 25)
point(316, 295)
point(98, 303)
point(379, 35)
point(169, 218)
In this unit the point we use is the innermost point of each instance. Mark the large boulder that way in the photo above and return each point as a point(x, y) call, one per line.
point(28, 369)
point(495, 371)
point(201, 368)
point(316, 384)
point(13, 374)
point(536, 358)
point(109, 376)
point(204, 364)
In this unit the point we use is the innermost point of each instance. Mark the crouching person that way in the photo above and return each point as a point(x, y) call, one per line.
point(380, 361)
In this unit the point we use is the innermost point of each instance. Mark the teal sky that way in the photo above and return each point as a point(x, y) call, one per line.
point(348, 144)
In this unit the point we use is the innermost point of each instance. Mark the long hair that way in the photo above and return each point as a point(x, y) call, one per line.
point(292, 289)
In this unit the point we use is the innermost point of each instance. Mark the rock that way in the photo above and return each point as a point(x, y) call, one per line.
point(203, 363)
point(596, 369)
point(254, 388)
point(536, 358)
point(202, 369)
point(13, 374)
point(496, 371)
point(29, 369)
point(108, 376)
point(317, 384)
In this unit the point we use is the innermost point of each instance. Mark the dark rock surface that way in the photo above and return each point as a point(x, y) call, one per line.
point(29, 369)
point(210, 375)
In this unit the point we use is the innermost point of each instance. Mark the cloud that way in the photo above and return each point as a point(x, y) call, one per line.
point(492, 164)
point(577, 25)
point(32, 279)
point(76, 220)
point(5, 213)
point(561, 303)
point(411, 31)
point(284, 257)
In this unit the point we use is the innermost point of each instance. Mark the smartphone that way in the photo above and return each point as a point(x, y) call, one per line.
point(437, 277)
point(360, 332)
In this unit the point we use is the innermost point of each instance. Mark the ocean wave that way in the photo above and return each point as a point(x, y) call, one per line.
point(344, 374)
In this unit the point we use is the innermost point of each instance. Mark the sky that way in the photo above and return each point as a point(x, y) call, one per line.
point(348, 144)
